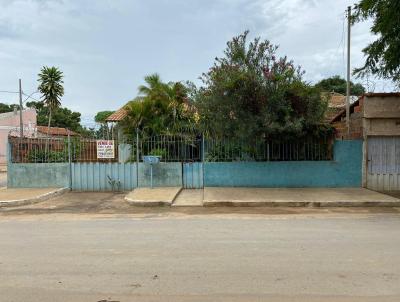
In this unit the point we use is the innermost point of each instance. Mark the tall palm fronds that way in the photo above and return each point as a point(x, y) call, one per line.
point(50, 86)
point(161, 108)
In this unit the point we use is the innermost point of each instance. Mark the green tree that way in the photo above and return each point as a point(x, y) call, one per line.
point(161, 108)
point(7, 108)
point(62, 117)
point(339, 85)
point(101, 116)
point(250, 92)
point(382, 55)
point(51, 87)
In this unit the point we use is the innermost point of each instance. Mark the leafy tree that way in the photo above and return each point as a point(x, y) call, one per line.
point(62, 117)
point(160, 108)
point(250, 92)
point(101, 116)
point(382, 55)
point(339, 85)
point(50, 86)
point(7, 108)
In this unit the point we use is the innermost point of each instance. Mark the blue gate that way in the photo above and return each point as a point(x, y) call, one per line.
point(193, 175)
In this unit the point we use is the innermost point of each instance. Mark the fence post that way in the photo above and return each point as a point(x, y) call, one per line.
point(137, 158)
point(203, 158)
point(70, 161)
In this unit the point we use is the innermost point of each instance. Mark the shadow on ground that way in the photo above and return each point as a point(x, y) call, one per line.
point(114, 203)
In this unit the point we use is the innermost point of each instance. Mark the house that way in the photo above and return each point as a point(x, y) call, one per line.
point(44, 131)
point(10, 125)
point(117, 116)
point(336, 103)
point(375, 118)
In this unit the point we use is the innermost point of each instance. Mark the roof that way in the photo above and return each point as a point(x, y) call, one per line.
point(370, 94)
point(56, 131)
point(343, 111)
point(382, 94)
point(118, 115)
point(337, 100)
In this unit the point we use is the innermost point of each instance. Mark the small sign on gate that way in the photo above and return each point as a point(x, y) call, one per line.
point(105, 149)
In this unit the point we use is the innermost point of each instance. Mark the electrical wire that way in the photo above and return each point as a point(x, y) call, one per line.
point(30, 97)
point(8, 91)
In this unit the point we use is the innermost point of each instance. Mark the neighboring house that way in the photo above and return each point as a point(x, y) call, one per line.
point(375, 118)
point(10, 125)
point(117, 116)
point(44, 131)
point(336, 103)
point(114, 120)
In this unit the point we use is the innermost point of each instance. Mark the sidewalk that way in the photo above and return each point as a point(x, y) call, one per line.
point(22, 196)
point(297, 197)
point(162, 196)
point(260, 197)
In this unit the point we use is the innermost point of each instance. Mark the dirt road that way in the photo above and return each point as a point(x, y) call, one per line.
point(159, 255)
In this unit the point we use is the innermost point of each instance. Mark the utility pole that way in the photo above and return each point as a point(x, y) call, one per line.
point(21, 124)
point(348, 70)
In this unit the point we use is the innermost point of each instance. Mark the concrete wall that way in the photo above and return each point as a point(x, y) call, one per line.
point(93, 176)
point(381, 116)
point(164, 175)
point(343, 171)
point(54, 175)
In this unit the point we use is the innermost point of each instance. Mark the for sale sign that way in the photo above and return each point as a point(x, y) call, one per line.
point(105, 149)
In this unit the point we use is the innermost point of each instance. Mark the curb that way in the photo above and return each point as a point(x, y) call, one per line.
point(312, 204)
point(152, 203)
point(27, 201)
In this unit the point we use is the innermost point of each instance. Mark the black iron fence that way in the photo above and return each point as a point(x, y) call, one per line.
point(169, 148)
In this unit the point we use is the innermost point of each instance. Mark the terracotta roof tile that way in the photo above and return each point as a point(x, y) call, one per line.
point(117, 116)
point(55, 131)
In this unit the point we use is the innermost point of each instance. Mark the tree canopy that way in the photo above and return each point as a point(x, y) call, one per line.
point(382, 55)
point(101, 116)
point(160, 108)
point(52, 89)
point(61, 117)
point(7, 108)
point(339, 85)
point(251, 92)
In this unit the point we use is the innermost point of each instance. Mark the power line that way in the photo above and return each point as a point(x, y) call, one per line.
point(8, 91)
point(30, 96)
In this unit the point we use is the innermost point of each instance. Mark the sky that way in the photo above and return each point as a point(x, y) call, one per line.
point(106, 47)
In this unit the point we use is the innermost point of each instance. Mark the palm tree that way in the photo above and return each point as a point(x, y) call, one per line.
point(160, 108)
point(50, 86)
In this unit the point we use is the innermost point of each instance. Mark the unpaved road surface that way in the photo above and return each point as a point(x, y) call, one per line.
point(161, 255)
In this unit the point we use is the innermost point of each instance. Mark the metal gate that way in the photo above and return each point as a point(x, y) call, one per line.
point(193, 175)
point(383, 172)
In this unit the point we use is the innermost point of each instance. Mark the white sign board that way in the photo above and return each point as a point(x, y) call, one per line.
point(105, 149)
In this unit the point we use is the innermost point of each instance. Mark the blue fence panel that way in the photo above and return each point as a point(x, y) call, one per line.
point(193, 175)
point(99, 176)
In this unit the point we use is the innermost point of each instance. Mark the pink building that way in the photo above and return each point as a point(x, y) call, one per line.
point(9, 125)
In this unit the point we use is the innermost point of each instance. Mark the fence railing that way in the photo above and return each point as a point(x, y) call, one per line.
point(265, 150)
point(170, 148)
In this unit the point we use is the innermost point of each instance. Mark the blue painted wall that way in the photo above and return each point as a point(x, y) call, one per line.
point(164, 175)
point(54, 175)
point(193, 175)
point(343, 171)
point(93, 176)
